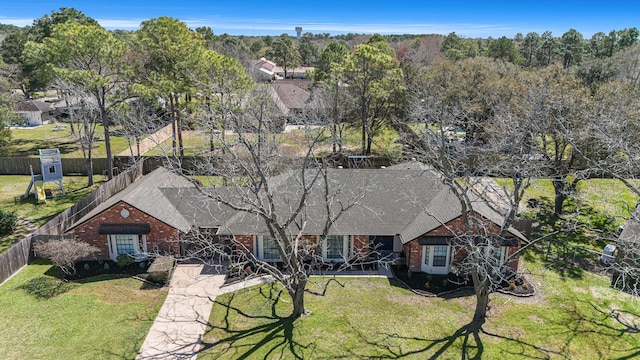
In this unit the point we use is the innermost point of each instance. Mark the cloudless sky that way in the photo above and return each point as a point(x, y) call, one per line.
point(250, 17)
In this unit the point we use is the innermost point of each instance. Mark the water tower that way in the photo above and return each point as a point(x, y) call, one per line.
point(298, 31)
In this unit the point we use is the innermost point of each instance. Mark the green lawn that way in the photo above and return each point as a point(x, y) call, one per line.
point(608, 196)
point(194, 144)
point(570, 317)
point(26, 142)
point(42, 317)
point(15, 185)
point(293, 143)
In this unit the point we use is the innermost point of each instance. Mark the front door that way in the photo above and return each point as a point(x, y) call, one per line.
point(436, 259)
point(381, 245)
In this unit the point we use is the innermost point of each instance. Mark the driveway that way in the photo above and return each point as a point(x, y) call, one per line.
point(177, 331)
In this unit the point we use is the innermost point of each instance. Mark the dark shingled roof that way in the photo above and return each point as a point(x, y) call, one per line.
point(33, 105)
point(388, 202)
point(146, 195)
point(384, 202)
point(631, 231)
point(291, 95)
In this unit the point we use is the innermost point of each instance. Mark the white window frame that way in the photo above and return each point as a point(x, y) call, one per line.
point(503, 253)
point(259, 248)
point(346, 252)
point(427, 260)
point(139, 246)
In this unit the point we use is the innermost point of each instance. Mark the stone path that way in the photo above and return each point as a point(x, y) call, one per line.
point(29, 225)
point(177, 331)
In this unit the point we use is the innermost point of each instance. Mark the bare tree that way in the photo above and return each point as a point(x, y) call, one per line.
point(613, 153)
point(136, 119)
point(508, 139)
point(292, 204)
point(82, 109)
point(65, 253)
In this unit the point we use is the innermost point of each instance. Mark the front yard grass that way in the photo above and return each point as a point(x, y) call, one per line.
point(15, 185)
point(579, 317)
point(104, 317)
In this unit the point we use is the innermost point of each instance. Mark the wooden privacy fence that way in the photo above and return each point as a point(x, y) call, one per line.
point(149, 142)
point(15, 258)
point(70, 166)
point(19, 254)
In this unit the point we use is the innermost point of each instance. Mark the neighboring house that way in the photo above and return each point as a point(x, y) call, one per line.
point(268, 70)
point(398, 212)
point(265, 69)
point(626, 263)
point(292, 99)
point(35, 112)
point(292, 94)
point(301, 72)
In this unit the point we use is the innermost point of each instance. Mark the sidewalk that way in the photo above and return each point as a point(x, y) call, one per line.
point(177, 330)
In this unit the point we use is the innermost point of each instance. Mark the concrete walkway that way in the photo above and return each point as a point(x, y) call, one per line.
point(177, 330)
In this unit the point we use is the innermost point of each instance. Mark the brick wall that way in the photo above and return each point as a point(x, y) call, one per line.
point(361, 245)
point(456, 226)
point(246, 240)
point(513, 262)
point(413, 252)
point(161, 238)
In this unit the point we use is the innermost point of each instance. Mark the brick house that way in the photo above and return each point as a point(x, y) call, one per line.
point(138, 220)
point(397, 212)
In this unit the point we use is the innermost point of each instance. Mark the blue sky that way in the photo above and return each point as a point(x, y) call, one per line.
point(249, 17)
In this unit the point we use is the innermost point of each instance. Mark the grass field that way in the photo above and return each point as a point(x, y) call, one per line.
point(15, 185)
point(104, 317)
point(608, 196)
point(570, 317)
point(292, 143)
point(26, 142)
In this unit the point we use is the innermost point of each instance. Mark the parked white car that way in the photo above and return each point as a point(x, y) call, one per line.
point(608, 254)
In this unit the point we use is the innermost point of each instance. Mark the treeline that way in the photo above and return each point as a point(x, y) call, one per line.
point(567, 105)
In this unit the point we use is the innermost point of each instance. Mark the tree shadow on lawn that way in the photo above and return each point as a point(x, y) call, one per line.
point(30, 147)
point(566, 238)
point(611, 326)
point(447, 286)
point(46, 287)
point(275, 335)
point(393, 346)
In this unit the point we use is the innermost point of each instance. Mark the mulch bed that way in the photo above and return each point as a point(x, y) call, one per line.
point(87, 269)
point(440, 285)
point(431, 284)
